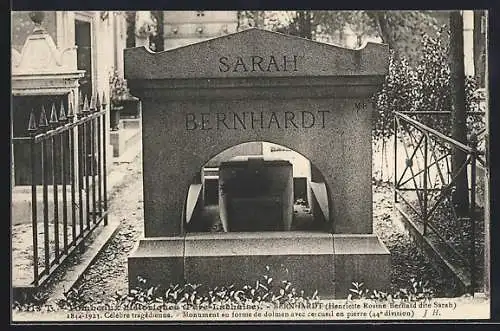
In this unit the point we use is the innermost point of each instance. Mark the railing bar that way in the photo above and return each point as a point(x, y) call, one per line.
point(438, 112)
point(424, 194)
point(434, 132)
point(440, 236)
point(395, 123)
point(105, 184)
point(415, 139)
point(86, 174)
point(56, 199)
point(418, 189)
point(80, 178)
point(45, 206)
point(409, 205)
point(63, 144)
point(411, 168)
point(99, 165)
point(433, 151)
point(71, 150)
point(409, 158)
point(92, 170)
point(472, 214)
point(34, 216)
point(46, 273)
point(66, 127)
point(418, 173)
point(447, 187)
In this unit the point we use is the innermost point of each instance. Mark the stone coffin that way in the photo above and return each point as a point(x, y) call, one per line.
point(255, 194)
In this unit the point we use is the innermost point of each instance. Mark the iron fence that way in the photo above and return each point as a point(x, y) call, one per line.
point(68, 167)
point(428, 181)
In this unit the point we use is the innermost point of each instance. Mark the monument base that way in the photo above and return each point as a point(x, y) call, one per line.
point(311, 261)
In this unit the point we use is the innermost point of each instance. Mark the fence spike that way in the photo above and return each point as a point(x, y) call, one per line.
point(71, 111)
point(104, 100)
point(62, 113)
point(53, 115)
point(92, 103)
point(43, 123)
point(85, 109)
point(80, 98)
point(98, 102)
point(32, 122)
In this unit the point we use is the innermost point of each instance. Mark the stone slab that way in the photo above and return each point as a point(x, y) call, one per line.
point(363, 259)
point(131, 123)
point(258, 243)
point(159, 260)
point(310, 260)
point(304, 259)
point(252, 53)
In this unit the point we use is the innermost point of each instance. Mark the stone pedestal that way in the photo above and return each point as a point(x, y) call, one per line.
point(259, 86)
point(325, 262)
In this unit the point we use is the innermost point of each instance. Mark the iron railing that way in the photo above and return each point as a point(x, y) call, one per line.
point(427, 182)
point(68, 159)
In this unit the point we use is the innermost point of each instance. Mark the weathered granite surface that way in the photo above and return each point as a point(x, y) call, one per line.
point(194, 109)
point(312, 261)
point(257, 85)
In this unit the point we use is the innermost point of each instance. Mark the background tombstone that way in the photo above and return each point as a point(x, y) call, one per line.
point(258, 85)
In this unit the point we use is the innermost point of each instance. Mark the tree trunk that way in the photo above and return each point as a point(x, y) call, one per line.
point(304, 22)
point(257, 19)
point(380, 19)
point(479, 48)
point(457, 86)
point(158, 39)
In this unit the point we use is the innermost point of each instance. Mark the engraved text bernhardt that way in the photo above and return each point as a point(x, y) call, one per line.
point(257, 120)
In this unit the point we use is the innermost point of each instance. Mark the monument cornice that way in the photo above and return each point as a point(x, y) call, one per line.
point(252, 88)
point(256, 53)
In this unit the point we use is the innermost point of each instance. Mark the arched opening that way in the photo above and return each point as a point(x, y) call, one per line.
point(257, 186)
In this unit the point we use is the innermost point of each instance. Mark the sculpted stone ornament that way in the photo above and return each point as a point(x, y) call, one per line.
point(37, 17)
point(41, 68)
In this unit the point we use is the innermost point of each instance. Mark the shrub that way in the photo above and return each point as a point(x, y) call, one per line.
point(265, 291)
point(416, 291)
point(425, 87)
point(269, 290)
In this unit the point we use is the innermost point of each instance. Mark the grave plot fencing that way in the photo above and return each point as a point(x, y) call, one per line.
point(426, 181)
point(67, 157)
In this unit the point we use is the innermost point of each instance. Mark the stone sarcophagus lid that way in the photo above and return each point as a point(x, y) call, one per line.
point(255, 194)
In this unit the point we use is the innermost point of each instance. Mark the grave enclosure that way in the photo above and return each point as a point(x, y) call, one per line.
point(257, 85)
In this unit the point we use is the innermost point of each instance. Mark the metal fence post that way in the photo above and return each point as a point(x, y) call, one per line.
point(472, 212)
point(32, 130)
point(395, 159)
point(425, 195)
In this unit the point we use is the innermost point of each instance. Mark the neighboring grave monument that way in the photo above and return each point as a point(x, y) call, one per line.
point(257, 85)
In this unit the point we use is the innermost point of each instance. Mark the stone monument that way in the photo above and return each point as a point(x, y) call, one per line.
point(256, 85)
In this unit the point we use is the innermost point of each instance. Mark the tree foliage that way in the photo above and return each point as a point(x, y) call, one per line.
point(401, 30)
point(424, 87)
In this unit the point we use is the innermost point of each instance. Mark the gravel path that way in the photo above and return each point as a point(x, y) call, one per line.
point(407, 261)
point(108, 274)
